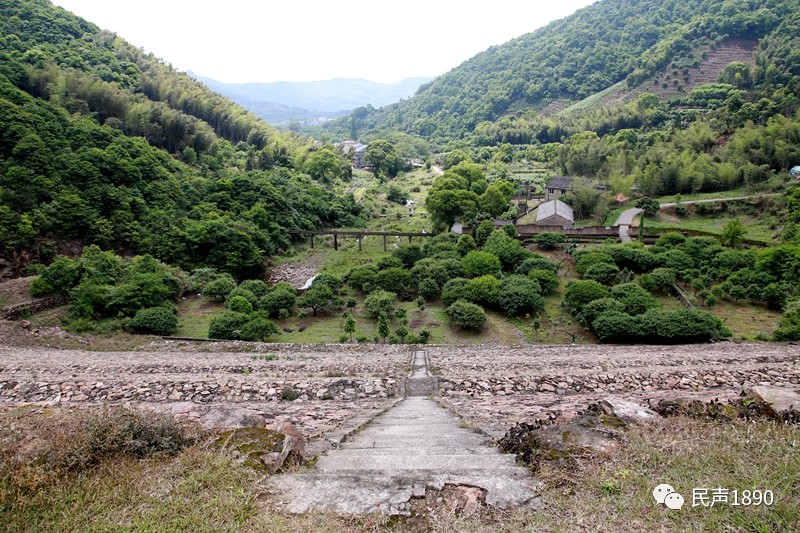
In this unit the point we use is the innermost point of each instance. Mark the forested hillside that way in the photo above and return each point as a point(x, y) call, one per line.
point(612, 41)
point(101, 143)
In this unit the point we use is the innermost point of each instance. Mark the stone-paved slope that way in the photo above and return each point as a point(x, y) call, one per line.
point(413, 447)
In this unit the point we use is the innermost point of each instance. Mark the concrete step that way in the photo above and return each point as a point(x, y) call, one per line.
point(446, 463)
point(477, 449)
point(405, 443)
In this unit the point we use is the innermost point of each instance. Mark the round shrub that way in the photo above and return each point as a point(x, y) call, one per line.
point(227, 325)
point(520, 294)
point(258, 329)
point(380, 303)
point(476, 264)
point(334, 282)
point(536, 262)
point(397, 280)
point(430, 268)
point(580, 292)
point(677, 260)
point(239, 304)
point(219, 288)
point(634, 298)
point(278, 299)
point(453, 290)
point(465, 244)
point(484, 290)
point(244, 293)
point(429, 289)
point(548, 282)
point(605, 273)
point(389, 261)
point(155, 320)
point(601, 307)
point(467, 315)
point(585, 259)
point(255, 286)
point(507, 249)
point(362, 278)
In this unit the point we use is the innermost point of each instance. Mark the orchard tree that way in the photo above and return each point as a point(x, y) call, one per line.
point(349, 325)
point(324, 165)
point(319, 298)
point(382, 157)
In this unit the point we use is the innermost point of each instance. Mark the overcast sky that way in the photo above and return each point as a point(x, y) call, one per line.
point(294, 40)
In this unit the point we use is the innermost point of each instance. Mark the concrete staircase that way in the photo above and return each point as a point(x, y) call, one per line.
point(414, 446)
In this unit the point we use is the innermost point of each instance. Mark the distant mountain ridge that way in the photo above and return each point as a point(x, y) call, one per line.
point(282, 101)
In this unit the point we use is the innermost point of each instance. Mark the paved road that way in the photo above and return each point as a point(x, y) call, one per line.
point(415, 446)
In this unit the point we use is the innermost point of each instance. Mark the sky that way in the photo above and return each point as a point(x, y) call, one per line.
point(238, 41)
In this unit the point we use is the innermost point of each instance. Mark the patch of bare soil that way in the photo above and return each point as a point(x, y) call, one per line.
point(15, 291)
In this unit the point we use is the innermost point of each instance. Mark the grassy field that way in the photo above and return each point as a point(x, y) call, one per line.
point(747, 322)
point(758, 228)
point(203, 489)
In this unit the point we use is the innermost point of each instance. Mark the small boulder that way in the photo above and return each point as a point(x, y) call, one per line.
point(626, 411)
point(779, 399)
point(263, 448)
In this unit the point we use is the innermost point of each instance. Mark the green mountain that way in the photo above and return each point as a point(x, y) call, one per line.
point(281, 102)
point(613, 49)
point(103, 144)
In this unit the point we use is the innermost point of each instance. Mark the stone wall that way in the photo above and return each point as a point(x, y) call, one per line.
point(21, 310)
point(618, 382)
point(198, 390)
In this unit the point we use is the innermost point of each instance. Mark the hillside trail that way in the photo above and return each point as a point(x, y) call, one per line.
point(413, 447)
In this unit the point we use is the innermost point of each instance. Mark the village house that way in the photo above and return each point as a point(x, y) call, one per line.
point(556, 187)
point(357, 152)
point(554, 213)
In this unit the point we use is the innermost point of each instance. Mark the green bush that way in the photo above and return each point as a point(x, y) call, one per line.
point(256, 286)
point(483, 232)
point(199, 278)
point(319, 298)
point(248, 295)
point(465, 244)
point(432, 269)
point(280, 297)
point(389, 261)
point(219, 288)
point(605, 273)
point(429, 289)
point(507, 249)
point(601, 307)
point(408, 254)
point(634, 298)
point(520, 294)
point(580, 292)
point(613, 325)
point(548, 282)
point(239, 304)
point(483, 290)
point(466, 315)
point(663, 279)
point(334, 282)
point(454, 290)
point(380, 302)
point(362, 278)
point(227, 325)
point(549, 240)
point(536, 262)
point(476, 264)
point(398, 280)
point(155, 320)
point(677, 260)
point(584, 259)
point(258, 329)
point(789, 329)
point(60, 276)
